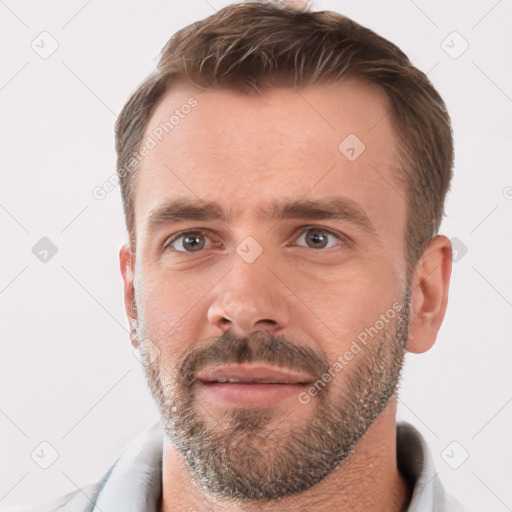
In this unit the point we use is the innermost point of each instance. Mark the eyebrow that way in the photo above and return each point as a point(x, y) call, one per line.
point(337, 208)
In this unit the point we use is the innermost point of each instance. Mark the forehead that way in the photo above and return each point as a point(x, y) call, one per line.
point(246, 151)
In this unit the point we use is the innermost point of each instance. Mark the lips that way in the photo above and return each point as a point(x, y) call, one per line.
point(250, 373)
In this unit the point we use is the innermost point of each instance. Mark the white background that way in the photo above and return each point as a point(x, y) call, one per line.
point(67, 372)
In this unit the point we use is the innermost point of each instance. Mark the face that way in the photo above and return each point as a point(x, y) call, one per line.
point(272, 306)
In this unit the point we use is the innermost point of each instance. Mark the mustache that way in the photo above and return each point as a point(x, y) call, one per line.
point(257, 347)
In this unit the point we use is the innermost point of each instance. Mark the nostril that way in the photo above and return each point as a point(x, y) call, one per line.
point(272, 322)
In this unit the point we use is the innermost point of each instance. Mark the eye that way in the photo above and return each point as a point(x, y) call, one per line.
point(187, 242)
point(318, 238)
point(195, 241)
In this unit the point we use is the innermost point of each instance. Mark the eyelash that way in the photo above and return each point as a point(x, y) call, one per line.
point(169, 241)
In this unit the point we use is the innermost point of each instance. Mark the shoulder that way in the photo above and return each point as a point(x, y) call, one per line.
point(453, 505)
point(135, 472)
point(81, 500)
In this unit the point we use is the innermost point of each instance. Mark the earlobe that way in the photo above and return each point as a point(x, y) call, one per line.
point(429, 290)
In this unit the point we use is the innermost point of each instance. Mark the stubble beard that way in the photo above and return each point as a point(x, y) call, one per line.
point(252, 453)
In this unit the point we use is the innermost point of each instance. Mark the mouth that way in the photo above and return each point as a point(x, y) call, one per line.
point(250, 373)
point(251, 384)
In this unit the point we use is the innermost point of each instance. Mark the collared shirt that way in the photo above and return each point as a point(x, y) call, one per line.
point(134, 482)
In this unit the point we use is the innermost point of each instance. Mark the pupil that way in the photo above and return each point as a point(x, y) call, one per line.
point(317, 237)
point(193, 241)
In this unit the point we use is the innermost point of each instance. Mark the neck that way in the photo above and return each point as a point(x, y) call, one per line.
point(368, 479)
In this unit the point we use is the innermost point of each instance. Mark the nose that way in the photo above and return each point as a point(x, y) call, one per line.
point(250, 298)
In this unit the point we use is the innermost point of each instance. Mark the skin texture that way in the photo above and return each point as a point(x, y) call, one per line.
point(245, 152)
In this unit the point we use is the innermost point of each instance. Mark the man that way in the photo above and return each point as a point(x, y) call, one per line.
point(283, 176)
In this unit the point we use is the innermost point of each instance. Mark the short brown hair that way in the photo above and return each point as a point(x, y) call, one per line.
point(246, 45)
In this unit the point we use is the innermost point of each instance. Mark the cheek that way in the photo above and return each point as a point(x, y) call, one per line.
point(174, 315)
point(349, 295)
point(346, 307)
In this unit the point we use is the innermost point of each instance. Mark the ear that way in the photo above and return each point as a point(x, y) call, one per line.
point(127, 265)
point(430, 285)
